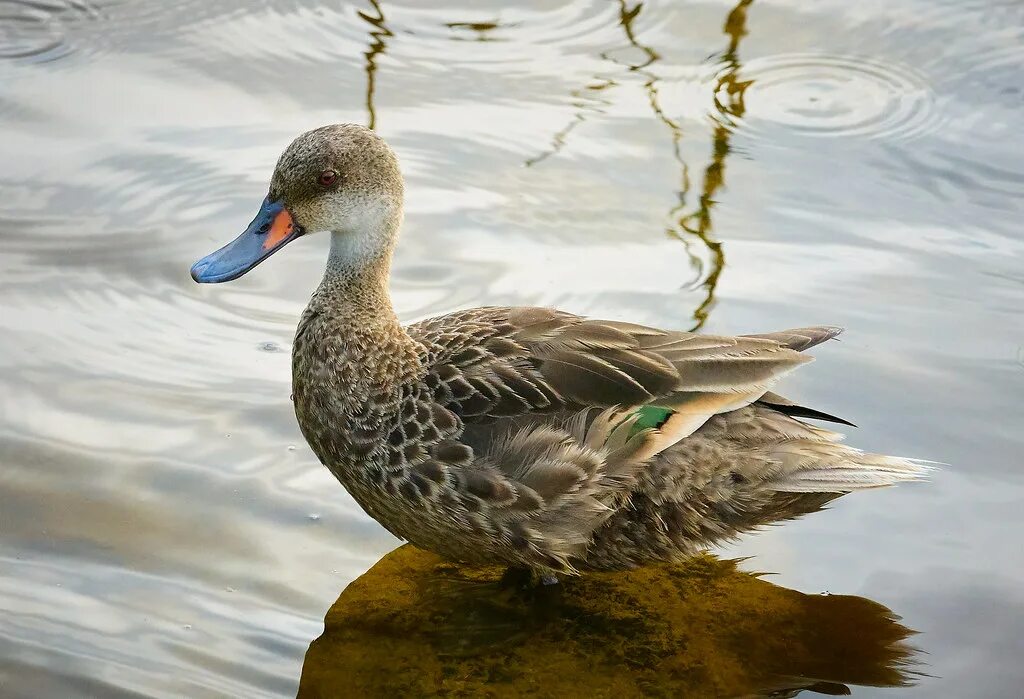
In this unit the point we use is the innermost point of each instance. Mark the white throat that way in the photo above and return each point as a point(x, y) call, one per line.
point(351, 250)
point(367, 244)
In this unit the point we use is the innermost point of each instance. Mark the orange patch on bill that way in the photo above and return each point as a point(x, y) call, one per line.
point(280, 229)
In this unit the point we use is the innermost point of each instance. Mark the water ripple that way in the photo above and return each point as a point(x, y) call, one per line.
point(36, 31)
point(819, 95)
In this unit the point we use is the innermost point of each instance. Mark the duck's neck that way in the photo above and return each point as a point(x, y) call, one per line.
point(350, 323)
point(355, 284)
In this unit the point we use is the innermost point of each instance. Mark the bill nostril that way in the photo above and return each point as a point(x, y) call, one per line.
point(264, 228)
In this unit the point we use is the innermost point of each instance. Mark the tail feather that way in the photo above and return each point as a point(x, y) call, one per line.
point(788, 407)
point(812, 466)
point(858, 471)
point(800, 339)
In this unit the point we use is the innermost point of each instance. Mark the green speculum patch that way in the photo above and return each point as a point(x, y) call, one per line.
point(650, 417)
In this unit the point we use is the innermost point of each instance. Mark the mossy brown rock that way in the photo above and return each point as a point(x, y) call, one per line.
point(415, 625)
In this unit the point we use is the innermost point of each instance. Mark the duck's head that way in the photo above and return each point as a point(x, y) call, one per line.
point(341, 178)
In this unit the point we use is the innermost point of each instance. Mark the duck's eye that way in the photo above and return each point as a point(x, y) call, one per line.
point(327, 178)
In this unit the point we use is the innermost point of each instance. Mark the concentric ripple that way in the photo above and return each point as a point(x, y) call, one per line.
point(36, 30)
point(820, 95)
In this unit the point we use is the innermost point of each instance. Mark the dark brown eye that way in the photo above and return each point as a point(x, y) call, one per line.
point(327, 178)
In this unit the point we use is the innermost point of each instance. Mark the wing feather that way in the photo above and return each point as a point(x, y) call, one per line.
point(529, 360)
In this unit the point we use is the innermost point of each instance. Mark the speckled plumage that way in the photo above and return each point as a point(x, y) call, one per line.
point(508, 434)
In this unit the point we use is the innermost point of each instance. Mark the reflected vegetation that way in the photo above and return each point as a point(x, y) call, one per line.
point(415, 625)
point(588, 101)
point(375, 49)
point(689, 224)
point(728, 102)
point(480, 30)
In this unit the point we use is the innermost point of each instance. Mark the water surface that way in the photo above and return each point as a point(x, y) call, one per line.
point(735, 167)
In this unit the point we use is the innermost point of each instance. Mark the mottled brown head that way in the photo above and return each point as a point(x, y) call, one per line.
point(341, 178)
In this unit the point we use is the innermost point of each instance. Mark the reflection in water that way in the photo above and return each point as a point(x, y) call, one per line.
point(416, 625)
point(697, 224)
point(683, 222)
point(375, 49)
point(587, 101)
point(480, 29)
point(728, 99)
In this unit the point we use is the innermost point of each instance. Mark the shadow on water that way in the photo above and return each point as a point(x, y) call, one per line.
point(414, 625)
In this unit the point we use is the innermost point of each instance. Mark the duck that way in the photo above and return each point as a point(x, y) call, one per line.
point(531, 437)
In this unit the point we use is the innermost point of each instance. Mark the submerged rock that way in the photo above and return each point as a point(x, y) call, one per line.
point(415, 625)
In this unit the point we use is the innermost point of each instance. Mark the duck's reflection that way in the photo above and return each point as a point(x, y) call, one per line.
point(416, 626)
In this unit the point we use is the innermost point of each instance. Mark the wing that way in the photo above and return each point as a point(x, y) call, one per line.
point(490, 363)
